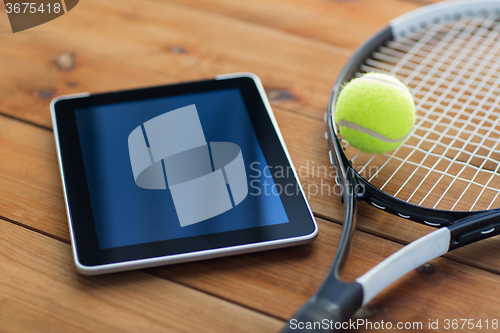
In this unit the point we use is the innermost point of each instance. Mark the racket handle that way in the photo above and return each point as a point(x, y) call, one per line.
point(334, 303)
point(311, 317)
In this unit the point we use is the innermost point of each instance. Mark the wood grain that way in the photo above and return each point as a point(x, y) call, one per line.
point(308, 148)
point(40, 285)
point(328, 21)
point(288, 276)
point(40, 291)
point(297, 48)
point(159, 43)
point(278, 282)
point(30, 182)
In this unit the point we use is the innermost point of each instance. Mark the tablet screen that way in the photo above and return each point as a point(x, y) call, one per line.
point(175, 167)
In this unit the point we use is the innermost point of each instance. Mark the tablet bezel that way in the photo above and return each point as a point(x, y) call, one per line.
point(90, 259)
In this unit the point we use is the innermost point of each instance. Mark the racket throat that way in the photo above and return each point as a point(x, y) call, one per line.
point(350, 196)
point(472, 229)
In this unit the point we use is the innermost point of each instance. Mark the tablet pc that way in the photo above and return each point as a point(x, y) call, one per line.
point(176, 173)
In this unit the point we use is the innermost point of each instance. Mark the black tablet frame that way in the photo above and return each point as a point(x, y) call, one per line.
point(91, 259)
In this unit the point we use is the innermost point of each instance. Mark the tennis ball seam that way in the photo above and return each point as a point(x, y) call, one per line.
point(398, 85)
point(370, 132)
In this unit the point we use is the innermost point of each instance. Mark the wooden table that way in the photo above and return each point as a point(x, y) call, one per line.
point(297, 48)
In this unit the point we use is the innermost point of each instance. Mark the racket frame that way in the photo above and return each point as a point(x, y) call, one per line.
point(337, 300)
point(371, 194)
point(463, 227)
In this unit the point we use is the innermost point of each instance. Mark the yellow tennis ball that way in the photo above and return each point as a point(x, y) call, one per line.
point(375, 113)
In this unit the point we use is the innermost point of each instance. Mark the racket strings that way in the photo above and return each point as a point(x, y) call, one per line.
point(451, 159)
point(474, 58)
point(447, 130)
point(460, 148)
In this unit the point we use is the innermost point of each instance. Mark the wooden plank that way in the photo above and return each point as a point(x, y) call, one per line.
point(40, 290)
point(178, 43)
point(278, 282)
point(143, 47)
point(31, 186)
point(112, 73)
point(309, 151)
point(289, 276)
point(158, 43)
point(343, 23)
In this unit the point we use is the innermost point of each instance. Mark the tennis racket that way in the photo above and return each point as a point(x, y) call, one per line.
point(447, 173)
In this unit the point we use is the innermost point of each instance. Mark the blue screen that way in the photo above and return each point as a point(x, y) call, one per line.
point(127, 209)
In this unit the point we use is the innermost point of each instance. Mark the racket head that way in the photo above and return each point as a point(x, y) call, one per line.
point(448, 168)
point(465, 226)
